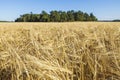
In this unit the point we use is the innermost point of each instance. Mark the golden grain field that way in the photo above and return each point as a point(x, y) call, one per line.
point(60, 51)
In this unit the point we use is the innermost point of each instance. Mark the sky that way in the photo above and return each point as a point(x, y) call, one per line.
point(102, 9)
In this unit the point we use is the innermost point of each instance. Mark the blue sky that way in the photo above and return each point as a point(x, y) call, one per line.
point(103, 9)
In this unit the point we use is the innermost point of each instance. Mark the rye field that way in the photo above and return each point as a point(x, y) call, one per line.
point(60, 51)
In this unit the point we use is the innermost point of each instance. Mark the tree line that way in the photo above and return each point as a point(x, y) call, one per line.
point(57, 16)
point(116, 20)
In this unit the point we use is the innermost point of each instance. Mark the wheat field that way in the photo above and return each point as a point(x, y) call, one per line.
point(60, 51)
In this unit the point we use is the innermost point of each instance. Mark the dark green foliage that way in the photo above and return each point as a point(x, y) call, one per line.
point(79, 16)
point(117, 20)
point(86, 17)
point(44, 17)
point(92, 17)
point(54, 16)
point(70, 15)
point(63, 16)
point(57, 16)
point(28, 18)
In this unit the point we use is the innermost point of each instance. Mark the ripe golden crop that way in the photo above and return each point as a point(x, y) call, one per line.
point(60, 51)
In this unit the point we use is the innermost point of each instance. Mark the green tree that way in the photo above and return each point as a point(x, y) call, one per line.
point(35, 18)
point(92, 17)
point(54, 16)
point(86, 17)
point(26, 17)
point(44, 17)
point(31, 17)
point(19, 20)
point(57, 16)
point(70, 15)
point(63, 16)
point(79, 16)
